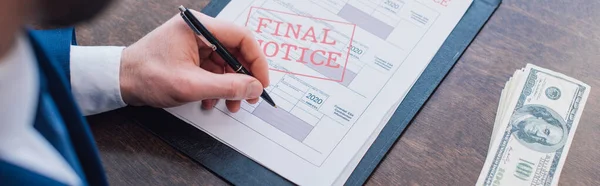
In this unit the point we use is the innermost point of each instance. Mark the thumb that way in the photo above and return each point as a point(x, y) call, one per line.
point(228, 86)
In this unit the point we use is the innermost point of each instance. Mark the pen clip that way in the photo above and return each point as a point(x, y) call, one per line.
point(198, 34)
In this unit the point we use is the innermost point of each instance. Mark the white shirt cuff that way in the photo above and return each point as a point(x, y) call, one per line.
point(95, 78)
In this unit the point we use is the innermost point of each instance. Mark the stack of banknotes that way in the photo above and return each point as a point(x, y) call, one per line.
point(537, 116)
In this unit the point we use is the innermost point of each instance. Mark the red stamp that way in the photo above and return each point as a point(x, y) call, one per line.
point(444, 3)
point(291, 41)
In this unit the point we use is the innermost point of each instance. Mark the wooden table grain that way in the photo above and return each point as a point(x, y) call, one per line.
point(445, 144)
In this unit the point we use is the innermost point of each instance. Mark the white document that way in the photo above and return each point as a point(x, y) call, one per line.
point(339, 69)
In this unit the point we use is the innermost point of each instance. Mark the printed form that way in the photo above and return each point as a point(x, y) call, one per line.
point(338, 69)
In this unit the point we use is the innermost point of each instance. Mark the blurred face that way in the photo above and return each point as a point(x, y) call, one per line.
point(16, 14)
point(68, 12)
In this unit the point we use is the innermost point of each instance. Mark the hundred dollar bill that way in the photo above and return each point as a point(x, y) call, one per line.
point(505, 97)
point(534, 131)
point(506, 93)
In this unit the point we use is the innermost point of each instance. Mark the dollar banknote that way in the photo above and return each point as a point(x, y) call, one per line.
point(506, 94)
point(538, 113)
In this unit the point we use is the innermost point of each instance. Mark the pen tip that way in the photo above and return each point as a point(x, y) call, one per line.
point(274, 105)
point(181, 8)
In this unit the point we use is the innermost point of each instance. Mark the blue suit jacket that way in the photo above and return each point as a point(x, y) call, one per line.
point(52, 50)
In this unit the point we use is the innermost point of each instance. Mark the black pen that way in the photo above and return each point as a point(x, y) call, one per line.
point(203, 33)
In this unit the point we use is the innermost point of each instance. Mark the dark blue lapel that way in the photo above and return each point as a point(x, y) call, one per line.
point(52, 50)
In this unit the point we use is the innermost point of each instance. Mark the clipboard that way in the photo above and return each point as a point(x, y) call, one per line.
point(238, 169)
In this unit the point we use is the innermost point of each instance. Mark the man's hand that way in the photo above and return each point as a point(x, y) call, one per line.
point(171, 66)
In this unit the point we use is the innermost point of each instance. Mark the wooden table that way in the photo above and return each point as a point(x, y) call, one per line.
point(446, 143)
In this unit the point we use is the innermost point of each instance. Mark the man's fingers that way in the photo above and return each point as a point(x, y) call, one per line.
point(233, 105)
point(217, 69)
point(208, 104)
point(207, 85)
point(252, 101)
point(235, 36)
point(260, 70)
point(262, 76)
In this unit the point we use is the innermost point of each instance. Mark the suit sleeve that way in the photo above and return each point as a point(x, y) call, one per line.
point(93, 71)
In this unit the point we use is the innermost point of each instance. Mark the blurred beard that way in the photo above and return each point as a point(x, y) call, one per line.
point(61, 13)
